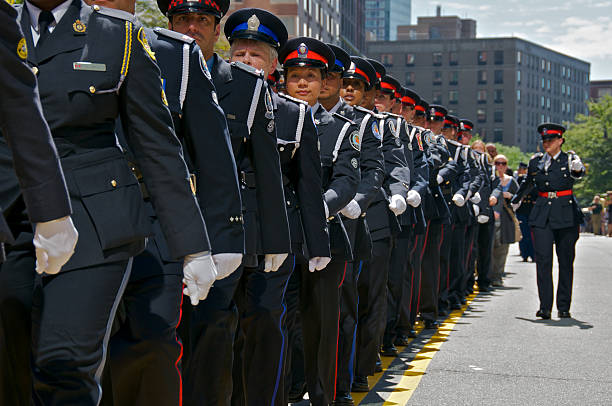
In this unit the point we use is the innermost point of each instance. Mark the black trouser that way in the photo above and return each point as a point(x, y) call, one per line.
point(412, 285)
point(349, 303)
point(526, 243)
point(145, 351)
point(417, 263)
point(430, 276)
point(72, 316)
point(16, 286)
point(372, 286)
point(470, 258)
point(485, 235)
point(294, 362)
point(564, 240)
point(261, 344)
point(208, 369)
point(397, 291)
point(445, 252)
point(457, 264)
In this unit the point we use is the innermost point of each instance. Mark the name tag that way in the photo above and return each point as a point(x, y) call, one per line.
point(231, 116)
point(89, 66)
point(564, 168)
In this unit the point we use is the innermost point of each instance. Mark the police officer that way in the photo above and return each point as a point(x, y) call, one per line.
point(555, 218)
point(522, 215)
point(81, 106)
point(255, 36)
point(32, 192)
point(306, 62)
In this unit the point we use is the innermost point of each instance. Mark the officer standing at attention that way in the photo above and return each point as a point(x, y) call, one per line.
point(306, 62)
point(255, 36)
point(35, 202)
point(112, 71)
point(253, 136)
point(555, 218)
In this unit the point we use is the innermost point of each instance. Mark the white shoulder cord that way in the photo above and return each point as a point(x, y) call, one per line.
point(339, 141)
point(185, 76)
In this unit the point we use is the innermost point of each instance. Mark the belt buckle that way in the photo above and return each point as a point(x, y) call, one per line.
point(552, 195)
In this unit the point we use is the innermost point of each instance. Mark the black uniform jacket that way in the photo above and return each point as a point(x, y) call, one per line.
point(476, 181)
point(486, 188)
point(555, 212)
point(457, 180)
point(32, 170)
point(419, 169)
point(246, 101)
point(93, 68)
point(339, 148)
point(301, 165)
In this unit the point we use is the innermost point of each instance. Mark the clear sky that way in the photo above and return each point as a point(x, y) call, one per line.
point(579, 28)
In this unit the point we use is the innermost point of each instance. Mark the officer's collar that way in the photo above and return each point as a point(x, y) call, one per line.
point(58, 12)
point(337, 106)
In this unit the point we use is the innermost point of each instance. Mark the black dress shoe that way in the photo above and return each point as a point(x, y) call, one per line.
point(343, 399)
point(543, 314)
point(297, 395)
point(360, 384)
point(401, 340)
point(455, 306)
point(484, 289)
point(442, 312)
point(378, 367)
point(431, 324)
point(388, 351)
point(565, 315)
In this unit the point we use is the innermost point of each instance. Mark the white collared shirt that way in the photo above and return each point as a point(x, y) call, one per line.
point(337, 106)
point(58, 12)
point(549, 159)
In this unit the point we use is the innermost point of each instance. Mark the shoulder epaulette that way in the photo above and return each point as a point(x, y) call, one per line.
point(174, 35)
point(364, 110)
point(256, 72)
point(293, 99)
point(336, 115)
point(394, 115)
point(537, 155)
point(455, 143)
point(111, 12)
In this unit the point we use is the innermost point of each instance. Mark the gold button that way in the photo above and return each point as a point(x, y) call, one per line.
point(96, 7)
point(35, 70)
point(92, 89)
point(113, 183)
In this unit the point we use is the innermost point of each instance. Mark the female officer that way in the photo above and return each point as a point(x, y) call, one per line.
point(555, 217)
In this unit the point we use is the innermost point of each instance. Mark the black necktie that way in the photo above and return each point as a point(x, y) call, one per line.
point(45, 19)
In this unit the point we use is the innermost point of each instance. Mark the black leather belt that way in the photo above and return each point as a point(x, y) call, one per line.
point(248, 179)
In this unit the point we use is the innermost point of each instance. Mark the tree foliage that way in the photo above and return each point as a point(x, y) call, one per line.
point(514, 155)
point(589, 136)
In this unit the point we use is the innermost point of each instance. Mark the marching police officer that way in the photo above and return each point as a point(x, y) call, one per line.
point(555, 218)
point(112, 71)
point(34, 199)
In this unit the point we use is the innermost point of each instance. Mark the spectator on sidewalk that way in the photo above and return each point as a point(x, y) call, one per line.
point(505, 233)
point(609, 211)
point(596, 210)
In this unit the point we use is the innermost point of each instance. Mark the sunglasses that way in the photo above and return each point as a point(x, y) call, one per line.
point(501, 163)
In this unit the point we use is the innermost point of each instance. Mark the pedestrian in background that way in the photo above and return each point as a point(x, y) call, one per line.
point(609, 212)
point(596, 210)
point(505, 233)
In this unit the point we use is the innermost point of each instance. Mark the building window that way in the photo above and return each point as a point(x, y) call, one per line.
point(410, 59)
point(542, 101)
point(498, 116)
point(548, 103)
point(453, 77)
point(499, 76)
point(481, 96)
point(482, 77)
point(410, 77)
point(548, 84)
point(437, 58)
point(563, 88)
point(498, 135)
point(437, 77)
point(518, 77)
point(499, 95)
point(542, 81)
point(569, 90)
point(543, 64)
point(453, 97)
point(518, 95)
point(437, 97)
point(519, 57)
point(548, 66)
point(481, 115)
point(499, 57)
point(482, 57)
point(453, 59)
point(387, 59)
point(563, 71)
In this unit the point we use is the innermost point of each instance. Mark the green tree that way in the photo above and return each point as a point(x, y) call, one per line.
point(589, 136)
point(514, 155)
point(149, 15)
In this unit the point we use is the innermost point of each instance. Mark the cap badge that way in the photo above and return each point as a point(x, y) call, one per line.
point(302, 51)
point(253, 23)
point(545, 131)
point(78, 26)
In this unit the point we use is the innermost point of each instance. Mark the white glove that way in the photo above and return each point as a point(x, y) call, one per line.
point(397, 205)
point(440, 179)
point(199, 274)
point(273, 262)
point(576, 165)
point(54, 241)
point(318, 263)
point(482, 219)
point(326, 209)
point(476, 210)
point(458, 200)
point(515, 206)
point(476, 198)
point(352, 210)
point(492, 200)
point(413, 198)
point(226, 263)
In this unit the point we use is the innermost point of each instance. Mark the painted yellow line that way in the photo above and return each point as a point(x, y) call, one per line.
point(416, 369)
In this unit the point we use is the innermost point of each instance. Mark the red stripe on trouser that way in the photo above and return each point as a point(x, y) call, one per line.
point(439, 248)
point(338, 334)
point(469, 255)
point(421, 264)
point(176, 364)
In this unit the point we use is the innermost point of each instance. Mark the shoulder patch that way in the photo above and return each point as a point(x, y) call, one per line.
point(142, 38)
point(174, 35)
point(111, 12)
point(256, 72)
point(348, 120)
point(293, 99)
point(355, 139)
point(376, 130)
